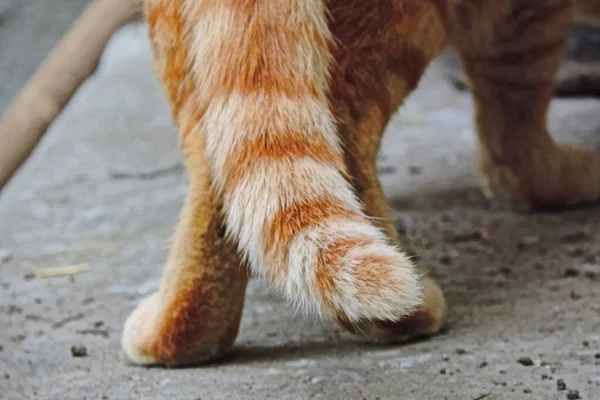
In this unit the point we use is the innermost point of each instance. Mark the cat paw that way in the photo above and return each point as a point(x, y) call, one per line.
point(139, 331)
point(429, 319)
point(563, 176)
point(151, 338)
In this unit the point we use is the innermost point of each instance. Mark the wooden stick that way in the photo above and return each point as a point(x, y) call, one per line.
point(61, 271)
point(46, 93)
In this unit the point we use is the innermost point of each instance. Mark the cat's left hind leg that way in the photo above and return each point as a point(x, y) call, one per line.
point(512, 67)
point(196, 313)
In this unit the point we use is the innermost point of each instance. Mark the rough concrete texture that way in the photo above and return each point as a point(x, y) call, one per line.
point(518, 284)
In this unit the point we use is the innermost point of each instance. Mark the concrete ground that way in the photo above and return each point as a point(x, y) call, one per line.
point(520, 286)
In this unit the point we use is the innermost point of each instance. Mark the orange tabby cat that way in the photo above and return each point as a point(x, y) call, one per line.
point(281, 105)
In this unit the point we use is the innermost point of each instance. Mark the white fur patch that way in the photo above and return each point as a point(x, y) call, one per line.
point(271, 187)
point(400, 293)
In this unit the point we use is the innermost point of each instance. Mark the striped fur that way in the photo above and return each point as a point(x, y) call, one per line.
point(281, 106)
point(278, 164)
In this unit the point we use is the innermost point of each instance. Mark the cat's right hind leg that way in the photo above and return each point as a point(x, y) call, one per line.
point(196, 313)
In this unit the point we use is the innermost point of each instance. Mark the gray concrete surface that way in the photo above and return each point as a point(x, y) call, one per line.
point(28, 31)
point(527, 287)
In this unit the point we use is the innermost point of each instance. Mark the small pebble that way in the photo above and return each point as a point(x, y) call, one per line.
point(561, 385)
point(443, 371)
point(78, 351)
point(570, 273)
point(483, 364)
point(573, 395)
point(526, 390)
point(526, 361)
point(460, 352)
point(597, 356)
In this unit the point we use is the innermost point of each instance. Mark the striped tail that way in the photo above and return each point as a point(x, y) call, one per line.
point(261, 78)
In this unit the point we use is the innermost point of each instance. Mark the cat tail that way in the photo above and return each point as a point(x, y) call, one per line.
point(261, 78)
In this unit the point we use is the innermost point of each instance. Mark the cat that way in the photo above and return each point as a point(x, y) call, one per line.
point(578, 75)
point(281, 105)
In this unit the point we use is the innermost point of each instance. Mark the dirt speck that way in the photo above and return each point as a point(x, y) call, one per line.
point(18, 338)
point(78, 351)
point(539, 266)
point(561, 385)
point(12, 309)
point(591, 275)
point(445, 259)
point(573, 395)
point(386, 170)
point(574, 295)
point(464, 237)
point(525, 361)
point(415, 170)
point(570, 273)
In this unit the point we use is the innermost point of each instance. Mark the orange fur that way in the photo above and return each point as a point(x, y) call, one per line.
point(281, 106)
